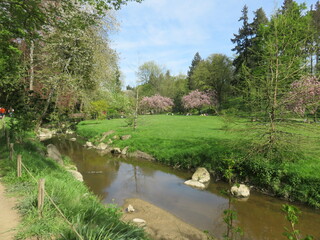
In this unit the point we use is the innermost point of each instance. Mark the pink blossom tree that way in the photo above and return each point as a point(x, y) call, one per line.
point(197, 100)
point(304, 96)
point(156, 104)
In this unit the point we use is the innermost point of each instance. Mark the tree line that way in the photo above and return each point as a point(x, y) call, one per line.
point(273, 55)
point(55, 57)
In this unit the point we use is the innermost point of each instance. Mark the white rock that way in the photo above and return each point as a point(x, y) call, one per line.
point(102, 146)
point(201, 175)
point(241, 191)
point(196, 184)
point(116, 151)
point(44, 134)
point(140, 222)
point(69, 131)
point(89, 144)
point(76, 175)
point(130, 209)
point(124, 151)
point(73, 139)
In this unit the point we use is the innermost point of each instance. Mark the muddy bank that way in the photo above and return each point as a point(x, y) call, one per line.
point(160, 224)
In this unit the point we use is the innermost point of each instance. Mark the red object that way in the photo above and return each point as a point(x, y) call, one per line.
point(2, 110)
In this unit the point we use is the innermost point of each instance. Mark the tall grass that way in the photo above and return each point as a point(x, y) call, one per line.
point(92, 219)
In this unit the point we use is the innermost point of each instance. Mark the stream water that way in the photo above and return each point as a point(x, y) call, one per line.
point(116, 179)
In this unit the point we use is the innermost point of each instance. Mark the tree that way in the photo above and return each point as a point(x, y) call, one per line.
point(214, 74)
point(283, 60)
point(304, 96)
point(243, 42)
point(197, 100)
point(315, 55)
point(156, 104)
point(196, 60)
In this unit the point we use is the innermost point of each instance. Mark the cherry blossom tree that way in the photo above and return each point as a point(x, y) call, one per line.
point(197, 100)
point(304, 96)
point(156, 104)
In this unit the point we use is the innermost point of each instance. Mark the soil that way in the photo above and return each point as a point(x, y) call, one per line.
point(160, 224)
point(9, 217)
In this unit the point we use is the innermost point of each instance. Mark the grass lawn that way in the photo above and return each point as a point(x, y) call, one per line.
point(192, 141)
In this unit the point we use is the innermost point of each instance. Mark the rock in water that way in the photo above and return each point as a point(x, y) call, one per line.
point(76, 175)
point(88, 144)
point(201, 175)
point(124, 151)
point(54, 153)
point(241, 191)
point(116, 151)
point(44, 134)
point(102, 146)
point(196, 184)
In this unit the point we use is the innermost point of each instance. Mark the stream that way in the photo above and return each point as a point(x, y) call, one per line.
point(115, 179)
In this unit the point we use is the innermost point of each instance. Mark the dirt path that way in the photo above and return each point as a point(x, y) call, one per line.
point(9, 217)
point(160, 224)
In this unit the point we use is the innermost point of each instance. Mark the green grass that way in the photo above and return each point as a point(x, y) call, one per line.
point(91, 219)
point(193, 141)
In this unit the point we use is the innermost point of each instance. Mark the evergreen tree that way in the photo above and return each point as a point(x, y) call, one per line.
point(242, 41)
point(287, 4)
point(196, 60)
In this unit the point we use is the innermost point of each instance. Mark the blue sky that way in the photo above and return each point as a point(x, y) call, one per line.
point(170, 32)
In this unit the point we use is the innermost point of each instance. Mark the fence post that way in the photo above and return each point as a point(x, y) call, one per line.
point(41, 195)
point(11, 151)
point(19, 166)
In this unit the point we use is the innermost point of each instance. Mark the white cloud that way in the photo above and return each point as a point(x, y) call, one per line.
point(170, 32)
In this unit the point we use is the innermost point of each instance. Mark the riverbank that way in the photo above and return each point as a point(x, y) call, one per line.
point(192, 141)
point(90, 218)
point(160, 224)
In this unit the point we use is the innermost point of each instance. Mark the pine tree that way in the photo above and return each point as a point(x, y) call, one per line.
point(242, 41)
point(287, 4)
point(196, 60)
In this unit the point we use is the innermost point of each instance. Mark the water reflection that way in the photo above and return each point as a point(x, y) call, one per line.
point(115, 179)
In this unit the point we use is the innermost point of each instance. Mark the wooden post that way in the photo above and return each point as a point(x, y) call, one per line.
point(19, 166)
point(41, 195)
point(11, 151)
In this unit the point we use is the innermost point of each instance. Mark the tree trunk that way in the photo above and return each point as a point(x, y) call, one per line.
point(39, 122)
point(31, 68)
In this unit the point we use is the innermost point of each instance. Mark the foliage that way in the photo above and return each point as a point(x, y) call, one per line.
point(197, 100)
point(99, 109)
point(196, 60)
point(214, 74)
point(292, 213)
point(156, 104)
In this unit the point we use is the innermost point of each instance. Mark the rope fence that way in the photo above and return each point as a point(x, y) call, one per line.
point(42, 192)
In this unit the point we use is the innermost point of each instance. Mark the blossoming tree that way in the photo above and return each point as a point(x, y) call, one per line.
point(156, 104)
point(197, 100)
point(304, 96)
